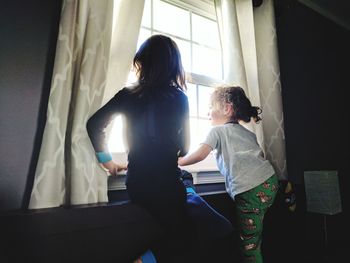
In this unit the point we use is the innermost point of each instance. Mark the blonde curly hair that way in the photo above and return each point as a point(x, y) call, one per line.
point(242, 107)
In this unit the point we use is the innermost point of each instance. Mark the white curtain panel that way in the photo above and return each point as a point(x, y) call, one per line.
point(126, 26)
point(250, 61)
point(270, 86)
point(236, 27)
point(67, 171)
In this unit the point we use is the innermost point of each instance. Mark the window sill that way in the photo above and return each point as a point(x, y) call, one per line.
point(200, 177)
point(205, 190)
point(204, 172)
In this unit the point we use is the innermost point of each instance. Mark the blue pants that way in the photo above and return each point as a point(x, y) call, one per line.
point(208, 223)
point(204, 227)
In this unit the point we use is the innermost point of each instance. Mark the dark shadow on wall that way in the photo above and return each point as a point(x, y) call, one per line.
point(53, 23)
point(29, 31)
point(314, 56)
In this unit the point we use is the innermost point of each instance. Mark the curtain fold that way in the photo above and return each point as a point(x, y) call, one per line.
point(126, 27)
point(250, 60)
point(236, 27)
point(67, 171)
point(270, 86)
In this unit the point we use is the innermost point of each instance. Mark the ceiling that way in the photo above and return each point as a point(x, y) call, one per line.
point(335, 10)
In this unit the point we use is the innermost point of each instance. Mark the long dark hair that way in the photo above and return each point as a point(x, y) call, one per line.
point(158, 64)
point(242, 107)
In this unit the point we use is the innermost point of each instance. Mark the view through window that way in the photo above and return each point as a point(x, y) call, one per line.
point(196, 33)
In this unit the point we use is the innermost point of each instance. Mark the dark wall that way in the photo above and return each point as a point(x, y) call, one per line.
point(113, 233)
point(314, 54)
point(28, 32)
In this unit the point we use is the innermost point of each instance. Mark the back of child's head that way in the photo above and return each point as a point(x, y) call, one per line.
point(158, 64)
point(242, 107)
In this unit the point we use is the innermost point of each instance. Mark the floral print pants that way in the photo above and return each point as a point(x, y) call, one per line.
point(251, 207)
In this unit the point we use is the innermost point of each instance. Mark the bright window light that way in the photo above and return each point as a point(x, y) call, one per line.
point(197, 37)
point(206, 61)
point(171, 19)
point(205, 31)
point(115, 142)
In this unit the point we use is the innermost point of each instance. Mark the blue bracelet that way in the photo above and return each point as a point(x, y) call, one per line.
point(190, 190)
point(103, 157)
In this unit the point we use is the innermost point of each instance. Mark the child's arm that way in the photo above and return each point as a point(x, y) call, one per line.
point(200, 154)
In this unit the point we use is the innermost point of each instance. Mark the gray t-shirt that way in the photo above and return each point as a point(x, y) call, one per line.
point(239, 157)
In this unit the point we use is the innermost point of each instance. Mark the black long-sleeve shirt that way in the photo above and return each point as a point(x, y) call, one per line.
point(157, 129)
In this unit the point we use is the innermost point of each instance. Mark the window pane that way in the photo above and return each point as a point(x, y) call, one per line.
point(194, 132)
point(171, 19)
point(207, 61)
point(143, 35)
point(115, 141)
point(185, 51)
point(205, 31)
point(204, 93)
point(146, 17)
point(192, 98)
point(203, 58)
point(199, 131)
point(203, 129)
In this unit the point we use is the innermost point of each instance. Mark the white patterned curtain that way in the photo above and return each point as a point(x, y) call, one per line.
point(249, 43)
point(67, 171)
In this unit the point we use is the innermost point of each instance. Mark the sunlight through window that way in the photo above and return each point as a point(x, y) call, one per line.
point(197, 36)
point(115, 141)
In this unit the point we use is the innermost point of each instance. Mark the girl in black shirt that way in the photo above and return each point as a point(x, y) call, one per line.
point(157, 131)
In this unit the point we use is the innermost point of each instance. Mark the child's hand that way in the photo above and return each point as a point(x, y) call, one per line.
point(114, 168)
point(180, 161)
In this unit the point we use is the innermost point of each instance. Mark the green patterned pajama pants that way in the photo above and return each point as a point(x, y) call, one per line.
point(251, 207)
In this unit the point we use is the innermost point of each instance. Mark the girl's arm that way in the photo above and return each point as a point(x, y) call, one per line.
point(96, 127)
point(97, 124)
point(200, 154)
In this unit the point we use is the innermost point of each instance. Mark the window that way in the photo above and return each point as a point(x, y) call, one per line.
point(192, 25)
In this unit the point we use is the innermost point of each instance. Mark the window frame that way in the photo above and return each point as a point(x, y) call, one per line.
point(201, 174)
